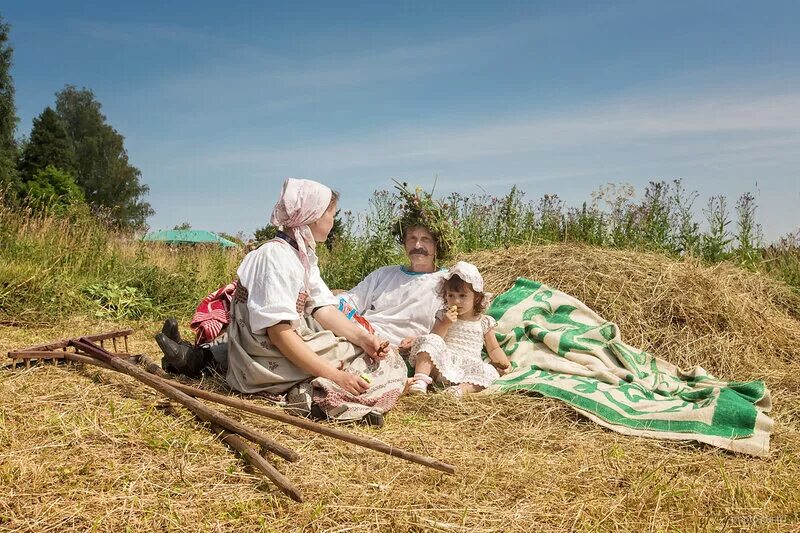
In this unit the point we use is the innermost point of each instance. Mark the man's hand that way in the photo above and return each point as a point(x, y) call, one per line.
point(405, 345)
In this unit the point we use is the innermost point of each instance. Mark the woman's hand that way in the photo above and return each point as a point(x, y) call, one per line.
point(350, 382)
point(330, 318)
point(374, 346)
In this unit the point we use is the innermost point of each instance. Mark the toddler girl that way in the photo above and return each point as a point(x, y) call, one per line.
point(451, 353)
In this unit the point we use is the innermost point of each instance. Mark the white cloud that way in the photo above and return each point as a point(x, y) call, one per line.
point(737, 123)
point(138, 33)
point(255, 78)
point(674, 127)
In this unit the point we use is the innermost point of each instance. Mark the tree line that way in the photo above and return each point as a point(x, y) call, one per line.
point(73, 156)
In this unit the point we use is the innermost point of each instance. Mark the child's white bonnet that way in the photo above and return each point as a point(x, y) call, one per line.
point(468, 272)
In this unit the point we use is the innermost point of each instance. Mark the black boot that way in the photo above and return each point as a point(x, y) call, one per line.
point(182, 358)
point(170, 330)
point(373, 419)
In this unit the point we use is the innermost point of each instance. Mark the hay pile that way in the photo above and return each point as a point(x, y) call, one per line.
point(734, 323)
point(88, 449)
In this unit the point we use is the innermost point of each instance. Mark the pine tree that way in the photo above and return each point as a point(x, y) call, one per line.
point(49, 144)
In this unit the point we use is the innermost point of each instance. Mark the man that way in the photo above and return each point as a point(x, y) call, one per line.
point(398, 301)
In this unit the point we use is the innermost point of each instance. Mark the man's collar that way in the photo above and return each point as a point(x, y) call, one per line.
point(410, 272)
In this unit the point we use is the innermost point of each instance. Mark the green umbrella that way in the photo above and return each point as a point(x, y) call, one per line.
point(188, 236)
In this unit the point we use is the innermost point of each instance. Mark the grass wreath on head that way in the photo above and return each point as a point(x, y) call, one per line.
point(421, 209)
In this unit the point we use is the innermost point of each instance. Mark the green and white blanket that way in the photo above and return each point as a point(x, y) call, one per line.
point(562, 349)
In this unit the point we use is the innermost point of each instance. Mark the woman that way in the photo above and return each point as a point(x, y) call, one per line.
point(344, 370)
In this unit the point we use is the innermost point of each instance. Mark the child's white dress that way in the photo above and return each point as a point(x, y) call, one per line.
point(457, 357)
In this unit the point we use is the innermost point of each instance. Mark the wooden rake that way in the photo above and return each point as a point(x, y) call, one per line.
point(58, 350)
point(84, 350)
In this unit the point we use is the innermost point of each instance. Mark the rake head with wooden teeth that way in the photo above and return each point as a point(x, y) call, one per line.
point(55, 351)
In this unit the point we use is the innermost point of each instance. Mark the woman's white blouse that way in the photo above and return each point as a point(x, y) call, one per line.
point(274, 278)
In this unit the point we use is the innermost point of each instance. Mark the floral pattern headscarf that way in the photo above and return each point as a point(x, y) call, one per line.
point(302, 202)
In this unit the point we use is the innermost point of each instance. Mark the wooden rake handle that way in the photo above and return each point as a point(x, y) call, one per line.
point(322, 429)
point(219, 422)
point(200, 409)
point(258, 462)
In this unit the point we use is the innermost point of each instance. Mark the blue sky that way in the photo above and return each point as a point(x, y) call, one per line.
point(220, 101)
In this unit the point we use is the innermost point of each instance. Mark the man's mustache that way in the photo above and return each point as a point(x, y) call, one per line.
point(418, 251)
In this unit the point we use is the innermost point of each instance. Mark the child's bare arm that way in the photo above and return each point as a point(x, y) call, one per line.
point(496, 354)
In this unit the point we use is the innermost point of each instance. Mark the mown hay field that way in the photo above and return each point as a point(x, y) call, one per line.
point(88, 449)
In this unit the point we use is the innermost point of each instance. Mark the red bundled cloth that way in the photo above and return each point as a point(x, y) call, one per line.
point(213, 314)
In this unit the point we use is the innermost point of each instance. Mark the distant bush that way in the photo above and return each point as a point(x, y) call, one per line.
point(119, 302)
point(51, 189)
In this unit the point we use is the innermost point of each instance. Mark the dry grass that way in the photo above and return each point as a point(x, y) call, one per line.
point(85, 449)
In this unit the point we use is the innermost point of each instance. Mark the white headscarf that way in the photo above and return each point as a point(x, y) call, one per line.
point(301, 203)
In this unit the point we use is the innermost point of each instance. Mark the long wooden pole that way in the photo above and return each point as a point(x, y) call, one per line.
point(200, 409)
point(322, 429)
point(258, 462)
point(275, 414)
point(231, 439)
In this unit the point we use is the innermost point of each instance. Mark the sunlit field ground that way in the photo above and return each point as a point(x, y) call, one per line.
point(83, 448)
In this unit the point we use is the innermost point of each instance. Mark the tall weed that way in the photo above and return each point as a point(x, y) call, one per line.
point(782, 259)
point(749, 233)
point(687, 231)
point(53, 265)
point(715, 243)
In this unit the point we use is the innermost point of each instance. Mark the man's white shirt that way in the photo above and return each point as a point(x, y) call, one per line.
point(398, 302)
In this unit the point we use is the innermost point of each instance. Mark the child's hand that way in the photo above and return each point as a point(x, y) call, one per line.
point(497, 357)
point(500, 361)
point(502, 370)
point(451, 315)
